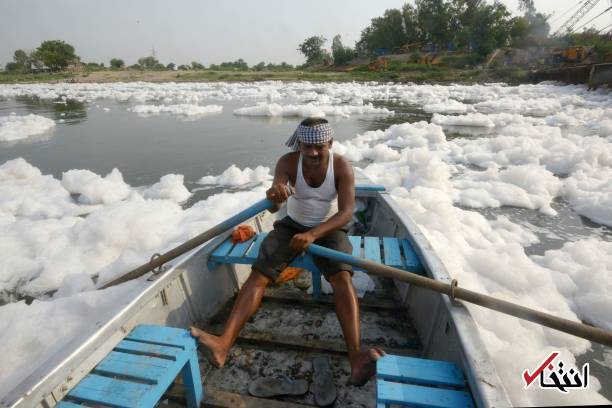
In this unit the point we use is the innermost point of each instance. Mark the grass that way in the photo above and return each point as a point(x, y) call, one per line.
point(398, 72)
point(8, 78)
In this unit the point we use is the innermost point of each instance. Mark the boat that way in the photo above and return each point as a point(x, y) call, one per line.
point(291, 327)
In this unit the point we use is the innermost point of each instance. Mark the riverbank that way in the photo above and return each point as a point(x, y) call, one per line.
point(417, 74)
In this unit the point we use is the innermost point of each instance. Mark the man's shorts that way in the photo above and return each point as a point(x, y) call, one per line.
point(275, 255)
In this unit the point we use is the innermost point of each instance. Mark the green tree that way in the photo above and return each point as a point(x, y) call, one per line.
point(149, 62)
point(341, 54)
point(312, 48)
point(410, 23)
point(386, 32)
point(117, 63)
point(11, 67)
point(491, 28)
point(239, 65)
point(55, 54)
point(433, 18)
point(259, 67)
point(171, 66)
point(22, 59)
point(197, 65)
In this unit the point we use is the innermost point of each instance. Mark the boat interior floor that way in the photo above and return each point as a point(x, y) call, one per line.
point(289, 330)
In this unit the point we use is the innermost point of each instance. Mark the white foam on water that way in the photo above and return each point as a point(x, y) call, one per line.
point(181, 109)
point(581, 272)
point(14, 127)
point(234, 176)
point(310, 109)
point(30, 334)
point(170, 187)
point(527, 186)
point(605, 128)
point(448, 106)
point(93, 189)
point(55, 249)
point(533, 155)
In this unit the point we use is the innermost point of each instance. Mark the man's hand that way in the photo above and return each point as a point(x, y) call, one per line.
point(300, 242)
point(279, 193)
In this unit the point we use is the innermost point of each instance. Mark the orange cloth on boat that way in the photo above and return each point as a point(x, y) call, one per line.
point(289, 273)
point(242, 233)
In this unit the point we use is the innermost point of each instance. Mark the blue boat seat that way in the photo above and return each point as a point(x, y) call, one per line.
point(417, 382)
point(394, 252)
point(139, 370)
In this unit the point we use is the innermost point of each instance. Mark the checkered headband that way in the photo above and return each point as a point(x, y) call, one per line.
point(317, 134)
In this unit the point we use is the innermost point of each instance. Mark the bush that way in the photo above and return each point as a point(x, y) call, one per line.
point(117, 63)
point(511, 74)
point(197, 65)
point(461, 61)
point(11, 67)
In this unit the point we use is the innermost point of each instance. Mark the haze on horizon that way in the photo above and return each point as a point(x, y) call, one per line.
point(206, 31)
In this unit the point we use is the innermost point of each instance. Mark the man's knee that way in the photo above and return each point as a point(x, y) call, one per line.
point(341, 279)
point(258, 278)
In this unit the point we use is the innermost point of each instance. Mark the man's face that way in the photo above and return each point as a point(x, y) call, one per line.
point(315, 154)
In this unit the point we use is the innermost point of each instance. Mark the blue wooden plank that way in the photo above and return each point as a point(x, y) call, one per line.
point(419, 371)
point(193, 382)
point(164, 336)
point(153, 350)
point(356, 244)
point(419, 396)
point(68, 404)
point(371, 246)
point(142, 368)
point(98, 390)
point(254, 251)
point(412, 262)
point(369, 187)
point(240, 248)
point(393, 257)
point(223, 249)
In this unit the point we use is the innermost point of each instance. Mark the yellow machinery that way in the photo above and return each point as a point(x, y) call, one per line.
point(575, 54)
point(381, 64)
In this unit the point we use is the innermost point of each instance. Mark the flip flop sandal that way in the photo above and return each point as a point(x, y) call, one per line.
point(322, 385)
point(266, 387)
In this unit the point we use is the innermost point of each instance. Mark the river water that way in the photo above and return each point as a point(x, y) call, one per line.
point(537, 205)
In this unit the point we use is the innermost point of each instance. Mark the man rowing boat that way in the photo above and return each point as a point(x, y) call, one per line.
point(319, 206)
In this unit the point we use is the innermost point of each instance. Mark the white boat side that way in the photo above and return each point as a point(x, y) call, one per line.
point(189, 291)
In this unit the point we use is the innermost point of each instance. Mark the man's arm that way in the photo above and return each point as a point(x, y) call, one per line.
point(280, 191)
point(346, 204)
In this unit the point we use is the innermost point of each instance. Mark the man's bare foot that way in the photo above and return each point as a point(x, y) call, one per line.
point(363, 366)
point(218, 349)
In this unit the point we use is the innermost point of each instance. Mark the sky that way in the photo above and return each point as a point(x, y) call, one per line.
point(183, 31)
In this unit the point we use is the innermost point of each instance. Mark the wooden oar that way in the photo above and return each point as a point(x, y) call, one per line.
point(157, 261)
point(567, 326)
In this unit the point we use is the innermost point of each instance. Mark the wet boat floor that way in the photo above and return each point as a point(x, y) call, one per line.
point(289, 330)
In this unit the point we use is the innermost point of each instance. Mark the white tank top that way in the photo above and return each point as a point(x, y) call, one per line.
point(312, 206)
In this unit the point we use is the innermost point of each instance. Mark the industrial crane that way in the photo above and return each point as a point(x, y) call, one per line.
point(573, 20)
